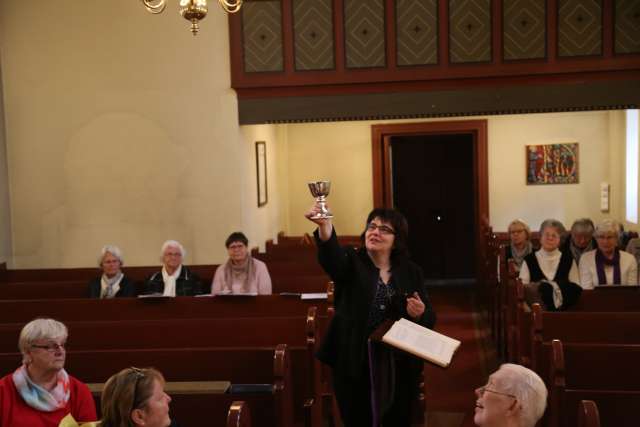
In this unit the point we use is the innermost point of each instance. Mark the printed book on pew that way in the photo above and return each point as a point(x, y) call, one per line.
point(422, 342)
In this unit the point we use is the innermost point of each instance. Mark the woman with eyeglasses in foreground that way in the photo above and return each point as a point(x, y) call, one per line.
point(135, 397)
point(513, 397)
point(40, 393)
point(373, 284)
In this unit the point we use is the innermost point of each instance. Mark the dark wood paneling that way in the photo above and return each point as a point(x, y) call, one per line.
point(463, 101)
point(432, 77)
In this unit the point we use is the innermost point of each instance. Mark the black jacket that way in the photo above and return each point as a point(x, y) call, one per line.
point(187, 283)
point(355, 278)
point(127, 288)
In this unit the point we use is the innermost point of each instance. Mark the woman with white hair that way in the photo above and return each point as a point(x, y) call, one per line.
point(174, 279)
point(112, 283)
point(513, 397)
point(556, 272)
point(607, 265)
point(40, 392)
point(520, 242)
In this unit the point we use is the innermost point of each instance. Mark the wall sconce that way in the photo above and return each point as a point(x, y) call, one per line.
point(192, 10)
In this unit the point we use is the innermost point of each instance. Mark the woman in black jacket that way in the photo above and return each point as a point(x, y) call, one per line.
point(373, 284)
point(112, 283)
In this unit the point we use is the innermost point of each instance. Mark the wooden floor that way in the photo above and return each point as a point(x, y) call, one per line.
point(449, 392)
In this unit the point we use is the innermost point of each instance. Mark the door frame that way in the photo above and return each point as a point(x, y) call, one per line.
point(382, 184)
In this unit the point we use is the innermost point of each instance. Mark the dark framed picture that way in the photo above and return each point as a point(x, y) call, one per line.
point(261, 172)
point(552, 164)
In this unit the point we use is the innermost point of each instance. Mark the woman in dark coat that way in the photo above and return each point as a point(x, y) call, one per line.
point(112, 283)
point(373, 284)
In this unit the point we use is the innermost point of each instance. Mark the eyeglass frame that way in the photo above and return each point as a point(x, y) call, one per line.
point(482, 390)
point(51, 347)
point(383, 229)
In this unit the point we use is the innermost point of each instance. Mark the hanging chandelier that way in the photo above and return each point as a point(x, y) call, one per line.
point(192, 10)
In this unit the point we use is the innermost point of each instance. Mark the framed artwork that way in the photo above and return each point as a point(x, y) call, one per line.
point(552, 164)
point(261, 172)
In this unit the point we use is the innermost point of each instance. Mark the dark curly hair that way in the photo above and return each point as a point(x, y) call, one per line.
point(399, 224)
point(236, 236)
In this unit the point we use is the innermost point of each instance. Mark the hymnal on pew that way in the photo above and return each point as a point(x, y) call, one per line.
point(422, 342)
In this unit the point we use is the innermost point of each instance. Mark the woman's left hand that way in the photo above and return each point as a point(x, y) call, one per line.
point(415, 306)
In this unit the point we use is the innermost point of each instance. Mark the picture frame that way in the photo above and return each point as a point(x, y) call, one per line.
point(261, 172)
point(552, 164)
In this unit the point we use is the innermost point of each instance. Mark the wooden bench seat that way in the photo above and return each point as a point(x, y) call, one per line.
point(170, 308)
point(606, 374)
point(581, 327)
point(198, 406)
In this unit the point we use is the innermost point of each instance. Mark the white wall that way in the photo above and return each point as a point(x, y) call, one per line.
point(342, 152)
point(5, 216)
point(122, 128)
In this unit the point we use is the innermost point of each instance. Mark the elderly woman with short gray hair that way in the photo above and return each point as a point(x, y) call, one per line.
point(556, 271)
point(607, 265)
point(40, 392)
point(520, 242)
point(513, 397)
point(174, 279)
point(112, 283)
point(580, 239)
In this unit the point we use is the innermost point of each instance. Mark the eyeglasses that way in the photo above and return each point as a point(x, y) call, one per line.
point(517, 231)
point(139, 373)
point(383, 229)
point(482, 390)
point(236, 246)
point(51, 347)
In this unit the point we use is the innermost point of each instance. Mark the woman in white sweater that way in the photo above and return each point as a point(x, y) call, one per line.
point(607, 265)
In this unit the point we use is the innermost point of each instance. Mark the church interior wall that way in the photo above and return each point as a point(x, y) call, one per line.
point(5, 212)
point(121, 128)
point(341, 152)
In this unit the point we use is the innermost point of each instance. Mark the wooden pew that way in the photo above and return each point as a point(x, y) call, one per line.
point(191, 405)
point(581, 327)
point(606, 374)
point(78, 289)
point(145, 308)
point(520, 322)
point(588, 415)
point(240, 415)
point(299, 332)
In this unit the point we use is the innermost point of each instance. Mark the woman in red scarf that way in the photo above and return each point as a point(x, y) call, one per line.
point(40, 392)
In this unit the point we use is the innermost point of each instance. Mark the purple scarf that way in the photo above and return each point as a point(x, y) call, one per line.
point(601, 261)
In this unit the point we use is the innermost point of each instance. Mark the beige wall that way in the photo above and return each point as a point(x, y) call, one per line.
point(342, 152)
point(5, 216)
point(122, 128)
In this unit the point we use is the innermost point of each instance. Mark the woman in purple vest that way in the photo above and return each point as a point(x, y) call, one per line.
point(556, 271)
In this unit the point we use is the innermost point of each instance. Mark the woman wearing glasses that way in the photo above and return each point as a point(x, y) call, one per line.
point(514, 396)
point(373, 284)
point(40, 392)
point(242, 273)
point(135, 397)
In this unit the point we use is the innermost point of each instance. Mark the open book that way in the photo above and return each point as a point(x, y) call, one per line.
point(421, 342)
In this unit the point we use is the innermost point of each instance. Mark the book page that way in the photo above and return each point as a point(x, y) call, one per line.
point(422, 342)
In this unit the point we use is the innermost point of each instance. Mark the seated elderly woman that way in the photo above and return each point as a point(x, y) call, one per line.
point(580, 239)
point(40, 392)
point(112, 283)
point(607, 265)
point(555, 270)
point(520, 247)
point(174, 279)
point(135, 397)
point(514, 396)
point(241, 273)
